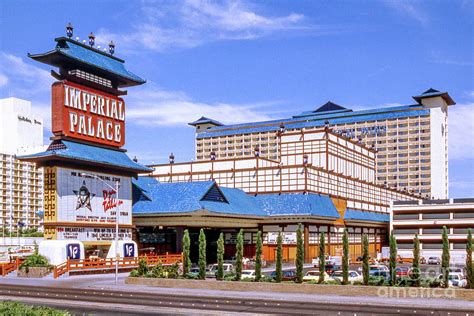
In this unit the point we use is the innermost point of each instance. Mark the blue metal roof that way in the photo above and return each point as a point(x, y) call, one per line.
point(89, 56)
point(90, 154)
point(366, 216)
point(319, 121)
point(297, 204)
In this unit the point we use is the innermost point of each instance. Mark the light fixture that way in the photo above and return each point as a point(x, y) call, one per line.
point(171, 158)
point(69, 30)
point(91, 39)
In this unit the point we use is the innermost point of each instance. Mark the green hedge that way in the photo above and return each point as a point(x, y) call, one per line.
point(16, 308)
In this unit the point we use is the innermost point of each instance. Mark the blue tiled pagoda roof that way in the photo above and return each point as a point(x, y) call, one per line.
point(70, 50)
point(78, 152)
point(204, 120)
point(185, 197)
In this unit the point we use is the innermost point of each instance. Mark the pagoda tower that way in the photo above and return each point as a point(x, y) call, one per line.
point(87, 173)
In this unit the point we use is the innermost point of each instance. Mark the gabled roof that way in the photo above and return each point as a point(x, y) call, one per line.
point(297, 204)
point(69, 51)
point(329, 106)
point(87, 154)
point(432, 93)
point(356, 215)
point(205, 120)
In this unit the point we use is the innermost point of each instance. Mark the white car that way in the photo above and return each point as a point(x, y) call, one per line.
point(248, 275)
point(313, 275)
point(457, 270)
point(434, 260)
point(455, 279)
point(212, 270)
point(353, 276)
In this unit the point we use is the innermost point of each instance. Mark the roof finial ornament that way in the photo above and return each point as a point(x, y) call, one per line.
point(135, 159)
point(111, 48)
point(69, 30)
point(91, 39)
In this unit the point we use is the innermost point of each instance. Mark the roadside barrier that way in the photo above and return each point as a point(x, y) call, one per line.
point(109, 263)
point(11, 266)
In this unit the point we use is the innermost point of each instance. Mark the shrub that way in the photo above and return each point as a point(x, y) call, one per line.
point(202, 255)
point(445, 257)
point(191, 276)
point(365, 259)
point(17, 308)
point(158, 271)
point(134, 273)
point(469, 266)
point(415, 272)
point(299, 254)
point(142, 267)
point(220, 257)
point(345, 257)
point(332, 282)
point(33, 261)
point(376, 281)
point(239, 254)
point(230, 277)
point(322, 258)
point(279, 258)
point(258, 257)
point(186, 252)
point(393, 259)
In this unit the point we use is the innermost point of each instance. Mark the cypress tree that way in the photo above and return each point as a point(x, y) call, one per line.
point(345, 257)
point(279, 258)
point(299, 254)
point(220, 257)
point(445, 257)
point(415, 274)
point(258, 257)
point(469, 267)
point(239, 254)
point(186, 252)
point(365, 259)
point(322, 257)
point(202, 255)
point(393, 259)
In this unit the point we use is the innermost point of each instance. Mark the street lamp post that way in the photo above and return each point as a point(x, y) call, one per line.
point(116, 189)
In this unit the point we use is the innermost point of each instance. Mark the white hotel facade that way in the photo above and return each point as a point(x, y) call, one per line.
point(21, 183)
point(411, 141)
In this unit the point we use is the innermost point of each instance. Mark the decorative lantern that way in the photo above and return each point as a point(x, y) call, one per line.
point(111, 48)
point(91, 39)
point(69, 30)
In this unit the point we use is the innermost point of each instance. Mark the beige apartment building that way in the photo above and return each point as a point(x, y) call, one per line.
point(411, 141)
point(21, 183)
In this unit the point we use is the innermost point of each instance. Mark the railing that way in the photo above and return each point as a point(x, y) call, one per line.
point(9, 267)
point(109, 263)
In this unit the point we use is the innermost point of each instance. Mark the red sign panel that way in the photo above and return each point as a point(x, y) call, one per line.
point(87, 114)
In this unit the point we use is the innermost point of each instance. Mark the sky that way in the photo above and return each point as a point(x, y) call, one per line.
point(241, 61)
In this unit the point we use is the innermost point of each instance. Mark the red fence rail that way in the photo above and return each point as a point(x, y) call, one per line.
point(11, 266)
point(109, 263)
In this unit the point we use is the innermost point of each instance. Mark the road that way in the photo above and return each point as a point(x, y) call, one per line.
point(103, 298)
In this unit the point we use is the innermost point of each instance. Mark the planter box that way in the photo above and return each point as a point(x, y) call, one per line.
point(33, 272)
point(317, 289)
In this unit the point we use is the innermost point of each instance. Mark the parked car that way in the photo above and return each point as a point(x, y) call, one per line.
point(378, 267)
point(402, 271)
point(354, 276)
point(287, 275)
point(194, 271)
point(455, 279)
point(380, 273)
point(248, 275)
point(457, 270)
point(212, 270)
point(330, 268)
point(434, 260)
point(313, 275)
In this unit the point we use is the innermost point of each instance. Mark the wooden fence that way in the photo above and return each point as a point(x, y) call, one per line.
point(11, 266)
point(109, 263)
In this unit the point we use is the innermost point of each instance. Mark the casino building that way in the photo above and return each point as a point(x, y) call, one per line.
point(323, 180)
point(411, 140)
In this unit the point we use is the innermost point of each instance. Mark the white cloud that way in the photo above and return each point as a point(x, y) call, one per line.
point(407, 8)
point(195, 22)
point(157, 107)
point(23, 79)
point(461, 131)
point(3, 80)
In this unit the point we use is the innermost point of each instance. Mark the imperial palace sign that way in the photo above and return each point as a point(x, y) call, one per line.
point(87, 114)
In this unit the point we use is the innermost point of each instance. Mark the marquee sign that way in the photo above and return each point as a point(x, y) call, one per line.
point(87, 114)
point(83, 200)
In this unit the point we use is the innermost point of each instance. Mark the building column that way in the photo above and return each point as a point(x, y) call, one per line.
point(306, 244)
point(179, 239)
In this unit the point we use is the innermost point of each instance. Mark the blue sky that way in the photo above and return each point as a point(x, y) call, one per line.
point(239, 61)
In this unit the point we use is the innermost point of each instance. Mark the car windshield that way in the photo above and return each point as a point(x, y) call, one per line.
point(338, 273)
point(247, 272)
point(454, 277)
point(312, 273)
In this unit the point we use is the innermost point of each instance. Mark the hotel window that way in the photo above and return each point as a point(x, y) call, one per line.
point(405, 216)
point(461, 230)
point(405, 246)
point(406, 231)
point(432, 230)
point(432, 246)
point(435, 215)
point(463, 215)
